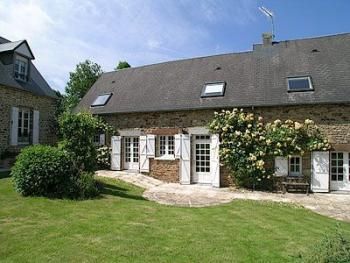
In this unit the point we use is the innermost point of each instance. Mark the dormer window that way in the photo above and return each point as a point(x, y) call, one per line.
point(213, 89)
point(296, 84)
point(21, 68)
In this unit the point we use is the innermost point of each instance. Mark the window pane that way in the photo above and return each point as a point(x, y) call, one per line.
point(101, 100)
point(213, 89)
point(170, 145)
point(299, 84)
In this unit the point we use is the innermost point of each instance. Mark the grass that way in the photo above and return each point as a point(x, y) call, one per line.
point(123, 227)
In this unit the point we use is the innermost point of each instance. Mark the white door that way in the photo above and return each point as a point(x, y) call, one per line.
point(131, 153)
point(320, 172)
point(340, 180)
point(201, 160)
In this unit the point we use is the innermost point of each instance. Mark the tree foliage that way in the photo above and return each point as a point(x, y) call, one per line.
point(78, 131)
point(80, 81)
point(122, 65)
point(247, 143)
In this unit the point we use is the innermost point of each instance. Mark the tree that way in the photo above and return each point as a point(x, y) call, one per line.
point(122, 64)
point(78, 131)
point(80, 81)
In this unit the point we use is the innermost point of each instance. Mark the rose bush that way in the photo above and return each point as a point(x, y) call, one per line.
point(247, 143)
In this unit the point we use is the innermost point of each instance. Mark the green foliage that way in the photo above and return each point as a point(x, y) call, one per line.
point(78, 131)
point(104, 157)
point(122, 65)
point(242, 147)
point(247, 144)
point(43, 171)
point(333, 248)
point(289, 137)
point(80, 81)
point(86, 186)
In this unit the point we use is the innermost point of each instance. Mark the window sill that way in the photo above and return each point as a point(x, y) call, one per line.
point(165, 158)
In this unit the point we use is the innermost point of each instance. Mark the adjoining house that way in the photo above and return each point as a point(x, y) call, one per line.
point(27, 103)
point(161, 111)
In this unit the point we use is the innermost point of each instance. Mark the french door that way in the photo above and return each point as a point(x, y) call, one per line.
point(131, 153)
point(340, 177)
point(201, 160)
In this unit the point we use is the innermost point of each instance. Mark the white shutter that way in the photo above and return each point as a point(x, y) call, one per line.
point(151, 146)
point(14, 126)
point(215, 160)
point(185, 161)
point(36, 127)
point(320, 171)
point(102, 139)
point(281, 166)
point(177, 138)
point(144, 161)
point(116, 150)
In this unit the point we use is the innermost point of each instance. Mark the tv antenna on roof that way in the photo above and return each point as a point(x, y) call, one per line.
point(269, 14)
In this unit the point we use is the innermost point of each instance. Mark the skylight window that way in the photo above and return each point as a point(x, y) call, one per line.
point(213, 89)
point(101, 100)
point(296, 84)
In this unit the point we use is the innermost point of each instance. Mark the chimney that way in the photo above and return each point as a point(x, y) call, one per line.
point(267, 39)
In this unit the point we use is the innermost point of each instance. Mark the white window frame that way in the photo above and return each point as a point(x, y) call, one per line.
point(308, 78)
point(22, 127)
point(337, 166)
point(19, 73)
point(290, 165)
point(169, 146)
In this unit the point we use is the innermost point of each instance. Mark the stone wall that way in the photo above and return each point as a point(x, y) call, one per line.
point(165, 170)
point(11, 97)
point(333, 120)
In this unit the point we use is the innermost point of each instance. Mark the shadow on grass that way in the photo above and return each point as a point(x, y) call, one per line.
point(109, 189)
point(4, 175)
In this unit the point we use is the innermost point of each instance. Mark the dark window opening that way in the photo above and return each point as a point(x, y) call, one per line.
point(296, 84)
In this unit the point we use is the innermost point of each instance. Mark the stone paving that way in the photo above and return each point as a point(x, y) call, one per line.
point(332, 205)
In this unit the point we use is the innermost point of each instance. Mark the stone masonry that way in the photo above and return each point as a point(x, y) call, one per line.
point(11, 97)
point(332, 119)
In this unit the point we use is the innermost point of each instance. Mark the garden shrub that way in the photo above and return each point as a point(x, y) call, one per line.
point(43, 171)
point(248, 144)
point(78, 131)
point(104, 157)
point(86, 186)
point(333, 248)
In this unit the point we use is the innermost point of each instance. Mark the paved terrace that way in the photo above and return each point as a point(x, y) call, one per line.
point(331, 205)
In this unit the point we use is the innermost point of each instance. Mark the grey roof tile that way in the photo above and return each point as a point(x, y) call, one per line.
point(254, 78)
point(36, 83)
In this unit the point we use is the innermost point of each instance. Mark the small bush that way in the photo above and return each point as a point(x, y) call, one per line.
point(43, 171)
point(104, 157)
point(332, 249)
point(86, 186)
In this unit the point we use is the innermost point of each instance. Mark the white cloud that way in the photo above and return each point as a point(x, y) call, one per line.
point(62, 33)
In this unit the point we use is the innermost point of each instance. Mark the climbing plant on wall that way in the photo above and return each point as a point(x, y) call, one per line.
point(248, 144)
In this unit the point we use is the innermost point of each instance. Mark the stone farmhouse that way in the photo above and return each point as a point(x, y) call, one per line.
point(161, 111)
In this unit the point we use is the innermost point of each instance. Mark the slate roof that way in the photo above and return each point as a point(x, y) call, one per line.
point(254, 78)
point(36, 83)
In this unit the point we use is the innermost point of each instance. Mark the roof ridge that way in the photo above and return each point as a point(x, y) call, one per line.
point(178, 60)
point(316, 37)
point(223, 54)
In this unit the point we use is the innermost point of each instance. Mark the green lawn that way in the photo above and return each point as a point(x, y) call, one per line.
point(123, 227)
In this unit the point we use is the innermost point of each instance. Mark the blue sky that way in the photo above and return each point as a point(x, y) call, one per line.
point(64, 32)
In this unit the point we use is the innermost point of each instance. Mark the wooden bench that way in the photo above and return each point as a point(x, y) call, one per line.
point(289, 183)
